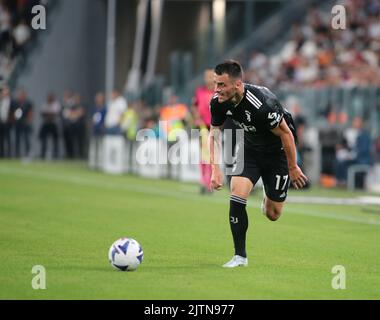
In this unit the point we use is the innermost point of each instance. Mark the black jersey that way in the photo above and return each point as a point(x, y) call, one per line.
point(257, 114)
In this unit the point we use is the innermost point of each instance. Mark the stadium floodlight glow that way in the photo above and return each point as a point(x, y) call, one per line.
point(219, 10)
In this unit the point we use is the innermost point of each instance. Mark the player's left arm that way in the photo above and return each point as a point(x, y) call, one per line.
point(296, 175)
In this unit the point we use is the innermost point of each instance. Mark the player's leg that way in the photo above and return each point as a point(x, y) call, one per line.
point(241, 187)
point(272, 209)
point(276, 184)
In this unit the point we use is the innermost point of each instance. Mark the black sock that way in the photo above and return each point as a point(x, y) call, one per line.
point(239, 224)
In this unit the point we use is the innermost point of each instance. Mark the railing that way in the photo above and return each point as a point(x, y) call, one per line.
point(363, 102)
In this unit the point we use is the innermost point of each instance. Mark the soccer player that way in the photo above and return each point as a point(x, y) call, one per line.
point(268, 150)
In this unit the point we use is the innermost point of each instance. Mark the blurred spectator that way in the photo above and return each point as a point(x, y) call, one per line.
point(345, 154)
point(117, 106)
point(363, 153)
point(67, 116)
point(21, 35)
point(5, 122)
point(129, 125)
point(329, 137)
point(300, 125)
point(5, 27)
point(317, 55)
point(78, 128)
point(363, 146)
point(202, 119)
point(174, 116)
point(351, 134)
point(15, 31)
point(98, 116)
point(99, 112)
point(50, 114)
point(23, 115)
point(151, 123)
point(74, 125)
point(344, 158)
point(377, 150)
point(358, 153)
point(130, 121)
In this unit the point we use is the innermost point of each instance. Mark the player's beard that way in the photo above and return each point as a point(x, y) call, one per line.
point(236, 98)
point(227, 96)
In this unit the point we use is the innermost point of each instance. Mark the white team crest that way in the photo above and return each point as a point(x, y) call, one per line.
point(234, 220)
point(248, 116)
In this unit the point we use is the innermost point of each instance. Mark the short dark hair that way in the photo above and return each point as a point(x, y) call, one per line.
point(230, 67)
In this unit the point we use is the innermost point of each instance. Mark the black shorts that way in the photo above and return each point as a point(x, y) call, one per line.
point(272, 167)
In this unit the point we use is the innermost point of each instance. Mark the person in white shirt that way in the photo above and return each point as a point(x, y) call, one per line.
point(117, 106)
point(21, 34)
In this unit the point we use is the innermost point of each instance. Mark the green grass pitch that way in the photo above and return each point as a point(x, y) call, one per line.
point(65, 217)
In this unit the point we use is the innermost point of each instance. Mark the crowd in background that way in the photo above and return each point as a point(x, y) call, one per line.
point(66, 126)
point(58, 120)
point(317, 55)
point(15, 31)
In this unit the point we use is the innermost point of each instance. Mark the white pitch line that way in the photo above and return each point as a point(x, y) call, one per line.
point(366, 200)
point(334, 216)
point(168, 193)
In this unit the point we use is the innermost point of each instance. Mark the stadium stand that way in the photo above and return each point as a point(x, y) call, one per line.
point(317, 56)
point(15, 32)
point(328, 76)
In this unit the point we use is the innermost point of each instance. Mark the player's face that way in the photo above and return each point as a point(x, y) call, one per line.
point(225, 87)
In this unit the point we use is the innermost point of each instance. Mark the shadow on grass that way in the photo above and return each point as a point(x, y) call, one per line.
point(146, 268)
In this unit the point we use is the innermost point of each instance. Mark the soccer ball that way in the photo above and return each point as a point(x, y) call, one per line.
point(125, 254)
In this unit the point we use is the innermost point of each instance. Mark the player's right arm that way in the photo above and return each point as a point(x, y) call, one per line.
point(274, 118)
point(215, 146)
point(218, 117)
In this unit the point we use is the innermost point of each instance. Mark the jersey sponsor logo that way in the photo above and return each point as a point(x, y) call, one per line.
point(245, 127)
point(274, 115)
point(253, 100)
